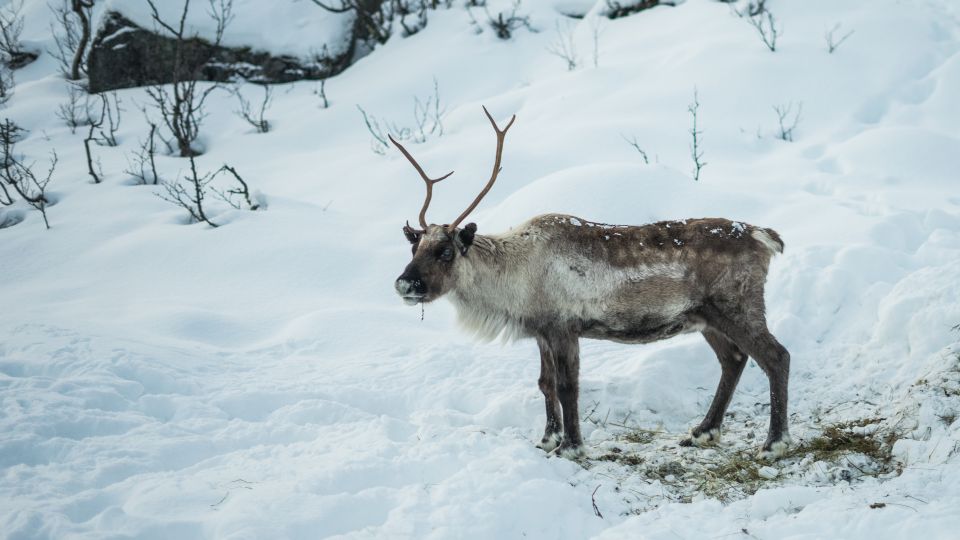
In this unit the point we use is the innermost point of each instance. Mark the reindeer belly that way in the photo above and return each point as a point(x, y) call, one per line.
point(634, 304)
point(644, 329)
point(644, 312)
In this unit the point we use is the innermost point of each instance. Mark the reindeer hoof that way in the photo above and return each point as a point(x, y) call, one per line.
point(550, 442)
point(774, 450)
point(705, 438)
point(571, 452)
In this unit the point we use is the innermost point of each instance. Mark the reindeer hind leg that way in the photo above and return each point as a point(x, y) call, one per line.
point(753, 337)
point(732, 361)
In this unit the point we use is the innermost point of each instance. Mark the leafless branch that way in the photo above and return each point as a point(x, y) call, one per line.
point(112, 109)
point(321, 92)
point(763, 21)
point(696, 152)
point(506, 22)
point(182, 107)
point(632, 141)
point(783, 117)
point(593, 500)
point(94, 125)
point(596, 28)
point(254, 117)
point(428, 118)
point(12, 51)
point(428, 112)
point(243, 191)
point(563, 46)
point(142, 164)
point(84, 11)
point(182, 112)
point(71, 34)
point(832, 40)
point(379, 143)
point(189, 193)
point(752, 9)
point(374, 19)
point(76, 111)
point(221, 11)
point(19, 177)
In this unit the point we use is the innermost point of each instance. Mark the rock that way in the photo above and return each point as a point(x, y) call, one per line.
point(124, 55)
point(768, 472)
point(625, 8)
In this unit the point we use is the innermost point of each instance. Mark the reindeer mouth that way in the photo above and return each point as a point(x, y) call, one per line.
point(412, 300)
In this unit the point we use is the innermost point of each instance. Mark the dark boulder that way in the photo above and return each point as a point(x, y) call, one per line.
point(124, 55)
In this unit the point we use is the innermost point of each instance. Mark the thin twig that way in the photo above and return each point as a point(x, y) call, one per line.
point(696, 153)
point(593, 500)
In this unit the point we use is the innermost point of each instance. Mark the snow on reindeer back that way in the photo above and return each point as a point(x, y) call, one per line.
point(306, 30)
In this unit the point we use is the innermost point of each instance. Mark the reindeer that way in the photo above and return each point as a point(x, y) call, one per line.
point(557, 278)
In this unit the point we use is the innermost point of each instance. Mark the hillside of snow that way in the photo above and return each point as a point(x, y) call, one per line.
point(262, 379)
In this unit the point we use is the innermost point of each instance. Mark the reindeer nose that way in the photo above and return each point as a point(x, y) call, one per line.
point(409, 287)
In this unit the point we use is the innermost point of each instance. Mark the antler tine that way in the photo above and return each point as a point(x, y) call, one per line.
point(429, 181)
point(501, 135)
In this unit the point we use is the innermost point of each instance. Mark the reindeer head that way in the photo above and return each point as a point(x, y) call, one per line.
point(437, 249)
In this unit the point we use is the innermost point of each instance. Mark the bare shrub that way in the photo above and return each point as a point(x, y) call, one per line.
point(142, 163)
point(504, 23)
point(254, 116)
point(71, 34)
point(110, 117)
point(415, 9)
point(181, 109)
point(111, 107)
point(12, 51)
point(182, 113)
point(563, 46)
point(182, 106)
point(18, 177)
point(189, 192)
point(192, 190)
point(763, 21)
point(76, 111)
point(428, 122)
point(783, 117)
point(834, 41)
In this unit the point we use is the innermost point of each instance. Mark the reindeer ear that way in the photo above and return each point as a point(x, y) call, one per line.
point(413, 235)
point(465, 237)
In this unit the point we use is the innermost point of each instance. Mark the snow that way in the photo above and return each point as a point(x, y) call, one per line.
point(263, 380)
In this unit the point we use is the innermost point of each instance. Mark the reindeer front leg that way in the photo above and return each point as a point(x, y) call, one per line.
point(548, 385)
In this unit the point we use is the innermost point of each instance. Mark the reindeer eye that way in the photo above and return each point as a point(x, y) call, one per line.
point(446, 254)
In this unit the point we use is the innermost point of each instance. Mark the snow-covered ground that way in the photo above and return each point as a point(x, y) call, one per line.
point(160, 379)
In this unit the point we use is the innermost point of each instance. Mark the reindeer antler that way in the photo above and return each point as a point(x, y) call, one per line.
point(429, 181)
point(501, 134)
